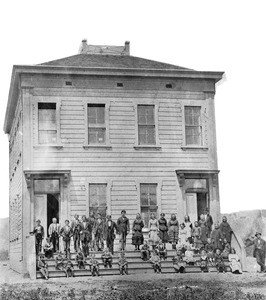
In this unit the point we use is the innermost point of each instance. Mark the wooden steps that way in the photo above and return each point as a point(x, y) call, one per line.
point(135, 266)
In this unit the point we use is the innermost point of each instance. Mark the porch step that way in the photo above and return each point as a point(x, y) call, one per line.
point(135, 265)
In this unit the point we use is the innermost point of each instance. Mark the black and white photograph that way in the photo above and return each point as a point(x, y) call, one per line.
point(132, 150)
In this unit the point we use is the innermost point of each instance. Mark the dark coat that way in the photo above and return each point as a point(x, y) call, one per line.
point(109, 232)
point(123, 225)
point(85, 231)
point(259, 246)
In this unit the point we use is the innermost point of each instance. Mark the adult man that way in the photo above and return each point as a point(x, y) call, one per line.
point(85, 235)
point(123, 229)
point(226, 231)
point(53, 231)
point(99, 225)
point(208, 221)
point(75, 225)
point(66, 232)
point(109, 233)
point(259, 250)
point(38, 231)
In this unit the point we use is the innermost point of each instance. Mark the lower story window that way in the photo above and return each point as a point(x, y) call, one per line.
point(97, 198)
point(148, 201)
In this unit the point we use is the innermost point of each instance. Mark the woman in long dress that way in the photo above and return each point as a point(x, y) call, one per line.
point(163, 229)
point(137, 236)
point(234, 262)
point(173, 230)
point(154, 228)
point(189, 227)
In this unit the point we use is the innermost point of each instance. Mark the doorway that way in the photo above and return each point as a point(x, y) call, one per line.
point(196, 203)
point(52, 208)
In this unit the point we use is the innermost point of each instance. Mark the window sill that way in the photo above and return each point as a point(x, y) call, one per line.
point(204, 148)
point(147, 147)
point(48, 146)
point(107, 147)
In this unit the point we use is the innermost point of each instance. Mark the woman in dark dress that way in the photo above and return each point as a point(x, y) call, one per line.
point(163, 229)
point(137, 236)
point(173, 230)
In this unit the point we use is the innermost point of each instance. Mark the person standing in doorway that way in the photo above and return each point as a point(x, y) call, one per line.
point(123, 228)
point(75, 225)
point(53, 231)
point(38, 231)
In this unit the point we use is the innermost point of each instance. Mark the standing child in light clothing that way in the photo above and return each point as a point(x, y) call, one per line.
point(196, 233)
point(154, 229)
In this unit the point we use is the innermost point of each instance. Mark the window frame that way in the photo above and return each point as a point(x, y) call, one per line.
point(106, 103)
point(203, 114)
point(137, 145)
point(35, 114)
point(158, 182)
point(98, 180)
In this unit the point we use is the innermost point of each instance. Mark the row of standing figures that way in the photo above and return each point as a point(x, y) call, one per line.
point(92, 233)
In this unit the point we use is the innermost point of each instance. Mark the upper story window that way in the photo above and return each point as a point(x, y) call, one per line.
point(47, 123)
point(193, 126)
point(98, 198)
point(148, 201)
point(146, 125)
point(96, 124)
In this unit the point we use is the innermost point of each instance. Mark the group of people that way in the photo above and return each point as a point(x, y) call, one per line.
point(87, 234)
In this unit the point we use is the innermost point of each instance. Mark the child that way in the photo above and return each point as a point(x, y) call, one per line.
point(69, 268)
point(196, 233)
point(99, 227)
point(94, 265)
point(209, 250)
point(216, 237)
point(137, 235)
point(80, 259)
point(226, 251)
point(234, 262)
point(179, 264)
point(219, 261)
point(189, 256)
point(122, 263)
point(59, 261)
point(38, 231)
point(204, 262)
point(161, 250)
point(42, 266)
point(145, 251)
point(107, 258)
point(66, 232)
point(183, 235)
point(48, 249)
point(156, 262)
point(189, 227)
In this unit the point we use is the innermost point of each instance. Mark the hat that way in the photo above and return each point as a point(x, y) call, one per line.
point(257, 233)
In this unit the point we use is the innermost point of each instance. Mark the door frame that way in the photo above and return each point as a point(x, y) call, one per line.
point(63, 176)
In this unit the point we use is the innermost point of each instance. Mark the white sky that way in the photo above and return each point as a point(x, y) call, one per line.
point(203, 35)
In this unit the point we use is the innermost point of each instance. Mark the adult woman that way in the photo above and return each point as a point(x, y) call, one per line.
point(173, 230)
point(154, 227)
point(137, 236)
point(163, 228)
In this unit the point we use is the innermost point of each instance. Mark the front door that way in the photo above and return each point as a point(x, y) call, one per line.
point(46, 208)
point(196, 203)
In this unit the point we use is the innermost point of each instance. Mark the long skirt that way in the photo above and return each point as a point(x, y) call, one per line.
point(137, 238)
point(153, 237)
point(173, 234)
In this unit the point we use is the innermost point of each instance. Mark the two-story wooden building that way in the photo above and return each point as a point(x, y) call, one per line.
point(105, 131)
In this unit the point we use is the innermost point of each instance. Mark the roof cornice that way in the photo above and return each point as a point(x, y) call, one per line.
point(138, 72)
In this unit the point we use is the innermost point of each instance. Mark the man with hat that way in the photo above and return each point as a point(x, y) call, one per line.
point(259, 250)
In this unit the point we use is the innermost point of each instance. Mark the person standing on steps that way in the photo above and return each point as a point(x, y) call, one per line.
point(75, 225)
point(123, 228)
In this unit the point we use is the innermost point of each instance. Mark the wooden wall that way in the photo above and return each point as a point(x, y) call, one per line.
point(15, 191)
point(123, 166)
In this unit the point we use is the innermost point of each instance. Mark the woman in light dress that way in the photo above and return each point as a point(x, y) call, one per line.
point(234, 262)
point(154, 229)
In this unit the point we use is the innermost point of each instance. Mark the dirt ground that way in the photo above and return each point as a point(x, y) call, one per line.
point(143, 286)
